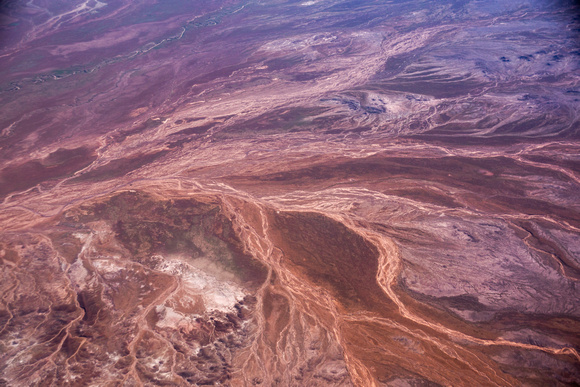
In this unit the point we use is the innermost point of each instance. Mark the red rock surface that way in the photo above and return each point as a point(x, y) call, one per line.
point(289, 193)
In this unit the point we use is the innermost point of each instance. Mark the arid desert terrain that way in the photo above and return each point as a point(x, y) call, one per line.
point(289, 193)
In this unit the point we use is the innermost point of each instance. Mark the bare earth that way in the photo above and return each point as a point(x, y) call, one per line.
point(289, 193)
